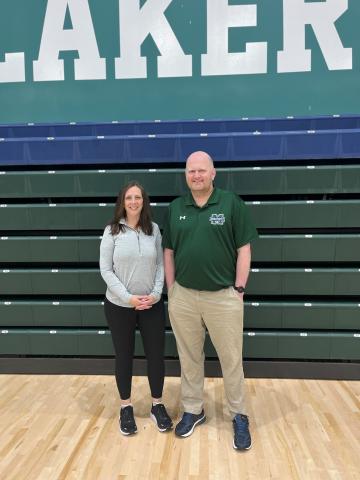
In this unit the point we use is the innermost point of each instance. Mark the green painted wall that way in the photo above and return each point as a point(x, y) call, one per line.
point(320, 91)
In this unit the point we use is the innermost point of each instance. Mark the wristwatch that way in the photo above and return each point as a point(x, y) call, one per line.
point(240, 289)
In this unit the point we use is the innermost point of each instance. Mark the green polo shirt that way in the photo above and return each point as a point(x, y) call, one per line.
point(205, 239)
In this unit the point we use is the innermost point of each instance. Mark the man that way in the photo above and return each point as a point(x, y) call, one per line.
point(207, 262)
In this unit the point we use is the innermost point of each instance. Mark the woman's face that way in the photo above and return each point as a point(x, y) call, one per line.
point(133, 202)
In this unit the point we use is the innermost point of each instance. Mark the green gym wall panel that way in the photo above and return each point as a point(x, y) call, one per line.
point(262, 315)
point(264, 282)
point(157, 182)
point(260, 345)
point(50, 249)
point(14, 342)
point(94, 216)
point(89, 248)
point(350, 178)
point(308, 316)
point(102, 182)
point(40, 313)
point(307, 282)
point(309, 214)
point(251, 181)
point(171, 182)
point(53, 249)
point(91, 282)
point(53, 216)
point(57, 314)
point(15, 249)
point(266, 214)
point(55, 282)
point(258, 315)
point(299, 214)
point(308, 248)
point(92, 314)
point(15, 281)
point(311, 179)
point(13, 185)
point(267, 249)
point(347, 248)
point(53, 342)
point(261, 281)
point(14, 217)
point(95, 343)
point(304, 345)
point(347, 282)
point(51, 183)
point(347, 316)
point(167, 318)
point(209, 348)
point(14, 314)
point(349, 214)
point(170, 345)
point(345, 346)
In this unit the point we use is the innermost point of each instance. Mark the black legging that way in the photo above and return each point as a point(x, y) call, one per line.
point(122, 322)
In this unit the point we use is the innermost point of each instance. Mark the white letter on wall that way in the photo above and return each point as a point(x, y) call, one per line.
point(321, 16)
point(89, 65)
point(135, 25)
point(218, 60)
point(13, 69)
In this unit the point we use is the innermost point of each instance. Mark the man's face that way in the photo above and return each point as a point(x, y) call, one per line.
point(199, 173)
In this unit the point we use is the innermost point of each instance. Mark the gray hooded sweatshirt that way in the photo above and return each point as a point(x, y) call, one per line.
point(131, 263)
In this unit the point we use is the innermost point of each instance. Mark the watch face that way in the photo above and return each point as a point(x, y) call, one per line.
point(240, 289)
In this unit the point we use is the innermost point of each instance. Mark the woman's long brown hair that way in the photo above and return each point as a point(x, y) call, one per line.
point(145, 216)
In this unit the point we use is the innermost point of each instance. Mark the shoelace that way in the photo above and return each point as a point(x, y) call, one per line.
point(127, 415)
point(161, 412)
point(241, 426)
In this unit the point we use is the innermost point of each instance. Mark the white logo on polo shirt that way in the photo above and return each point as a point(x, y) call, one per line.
point(217, 219)
point(182, 217)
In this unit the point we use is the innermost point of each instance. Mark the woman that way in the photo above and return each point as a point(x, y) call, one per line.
point(131, 263)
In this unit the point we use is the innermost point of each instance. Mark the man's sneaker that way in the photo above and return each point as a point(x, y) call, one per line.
point(188, 422)
point(242, 438)
point(161, 417)
point(127, 421)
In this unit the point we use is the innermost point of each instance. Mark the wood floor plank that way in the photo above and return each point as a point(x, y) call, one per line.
point(66, 428)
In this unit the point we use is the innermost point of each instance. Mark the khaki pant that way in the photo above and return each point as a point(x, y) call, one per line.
point(221, 313)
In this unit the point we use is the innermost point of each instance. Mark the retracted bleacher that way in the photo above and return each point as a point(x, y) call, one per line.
point(299, 176)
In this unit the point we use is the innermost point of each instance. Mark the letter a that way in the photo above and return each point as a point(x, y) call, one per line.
point(55, 39)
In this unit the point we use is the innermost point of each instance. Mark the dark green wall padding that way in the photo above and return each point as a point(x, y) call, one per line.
point(263, 344)
point(273, 314)
point(267, 248)
point(266, 214)
point(171, 182)
point(270, 281)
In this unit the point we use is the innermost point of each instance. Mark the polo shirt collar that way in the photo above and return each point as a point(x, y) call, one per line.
point(214, 198)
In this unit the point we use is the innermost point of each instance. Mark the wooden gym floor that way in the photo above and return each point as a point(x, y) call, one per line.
point(66, 427)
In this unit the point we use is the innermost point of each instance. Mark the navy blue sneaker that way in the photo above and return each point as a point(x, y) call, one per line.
point(127, 422)
point(242, 438)
point(161, 418)
point(188, 422)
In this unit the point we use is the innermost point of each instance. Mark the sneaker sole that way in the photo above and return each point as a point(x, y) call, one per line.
point(241, 449)
point(127, 433)
point(167, 429)
point(198, 422)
